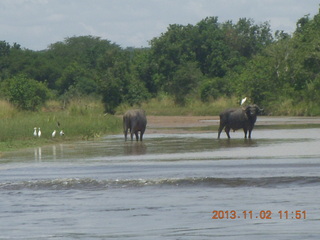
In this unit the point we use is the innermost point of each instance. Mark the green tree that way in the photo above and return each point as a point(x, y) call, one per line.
point(112, 94)
point(143, 67)
point(78, 78)
point(185, 81)
point(136, 92)
point(210, 48)
point(26, 93)
point(4, 58)
point(168, 52)
point(214, 88)
point(113, 77)
point(257, 80)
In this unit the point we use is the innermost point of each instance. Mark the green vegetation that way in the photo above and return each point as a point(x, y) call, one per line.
point(188, 70)
point(199, 63)
point(165, 105)
point(26, 94)
point(82, 120)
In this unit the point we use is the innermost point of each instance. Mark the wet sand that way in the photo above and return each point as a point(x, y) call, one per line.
point(179, 124)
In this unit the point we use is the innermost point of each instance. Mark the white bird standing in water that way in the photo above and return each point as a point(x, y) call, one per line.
point(39, 133)
point(35, 132)
point(61, 133)
point(54, 133)
point(243, 100)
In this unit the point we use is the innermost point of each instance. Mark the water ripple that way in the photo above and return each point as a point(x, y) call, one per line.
point(96, 185)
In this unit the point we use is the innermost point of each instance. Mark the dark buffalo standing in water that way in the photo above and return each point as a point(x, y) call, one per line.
point(136, 121)
point(238, 118)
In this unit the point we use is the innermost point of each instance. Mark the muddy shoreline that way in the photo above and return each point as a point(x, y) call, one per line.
point(179, 124)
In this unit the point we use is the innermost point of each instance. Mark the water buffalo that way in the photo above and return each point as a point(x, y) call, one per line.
point(136, 121)
point(237, 118)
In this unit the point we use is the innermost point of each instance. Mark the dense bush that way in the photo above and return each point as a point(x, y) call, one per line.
point(214, 88)
point(26, 93)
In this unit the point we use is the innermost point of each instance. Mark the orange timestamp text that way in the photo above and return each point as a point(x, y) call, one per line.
point(262, 214)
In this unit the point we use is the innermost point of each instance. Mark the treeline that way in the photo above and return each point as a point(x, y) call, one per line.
point(204, 61)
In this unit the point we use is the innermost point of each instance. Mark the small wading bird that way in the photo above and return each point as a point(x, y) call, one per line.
point(61, 133)
point(35, 132)
point(39, 133)
point(243, 100)
point(54, 133)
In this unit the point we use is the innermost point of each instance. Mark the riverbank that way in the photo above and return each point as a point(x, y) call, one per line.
point(156, 125)
point(78, 122)
point(181, 124)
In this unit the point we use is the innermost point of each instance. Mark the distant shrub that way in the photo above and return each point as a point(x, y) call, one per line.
point(213, 89)
point(25, 93)
point(136, 93)
point(111, 95)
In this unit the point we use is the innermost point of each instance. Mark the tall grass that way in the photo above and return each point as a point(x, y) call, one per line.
point(165, 106)
point(78, 121)
point(6, 109)
point(291, 107)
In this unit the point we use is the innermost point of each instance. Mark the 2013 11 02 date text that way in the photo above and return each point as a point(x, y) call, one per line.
point(262, 214)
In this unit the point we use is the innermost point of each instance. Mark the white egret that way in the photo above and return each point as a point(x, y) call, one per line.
point(243, 100)
point(54, 133)
point(61, 133)
point(35, 132)
point(39, 133)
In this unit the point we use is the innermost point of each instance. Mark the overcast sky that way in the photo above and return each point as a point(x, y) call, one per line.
point(35, 24)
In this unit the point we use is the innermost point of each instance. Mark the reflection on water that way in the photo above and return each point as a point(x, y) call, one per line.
point(134, 148)
point(231, 143)
point(54, 151)
point(267, 144)
point(38, 154)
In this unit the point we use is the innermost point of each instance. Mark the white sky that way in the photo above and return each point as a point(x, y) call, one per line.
point(35, 24)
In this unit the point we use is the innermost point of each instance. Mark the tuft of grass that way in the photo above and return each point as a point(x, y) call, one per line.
point(290, 107)
point(7, 110)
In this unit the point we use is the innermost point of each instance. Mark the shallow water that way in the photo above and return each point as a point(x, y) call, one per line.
point(165, 188)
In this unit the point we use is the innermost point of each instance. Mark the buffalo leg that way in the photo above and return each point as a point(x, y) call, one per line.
point(250, 130)
point(141, 135)
point(220, 130)
point(125, 132)
point(245, 133)
point(227, 129)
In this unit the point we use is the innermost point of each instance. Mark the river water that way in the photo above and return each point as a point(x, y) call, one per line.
point(170, 186)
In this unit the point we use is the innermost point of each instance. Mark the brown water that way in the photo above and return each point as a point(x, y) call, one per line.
point(166, 188)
